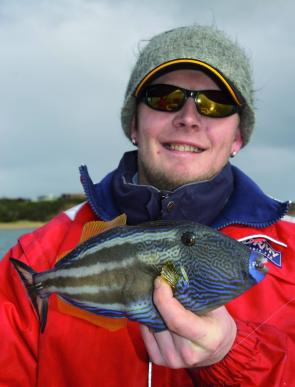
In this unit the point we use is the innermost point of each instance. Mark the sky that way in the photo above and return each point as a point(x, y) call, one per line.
point(63, 71)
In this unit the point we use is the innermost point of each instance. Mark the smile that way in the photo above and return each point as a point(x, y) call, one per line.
point(183, 148)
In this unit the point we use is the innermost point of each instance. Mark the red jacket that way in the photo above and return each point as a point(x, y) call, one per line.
point(109, 352)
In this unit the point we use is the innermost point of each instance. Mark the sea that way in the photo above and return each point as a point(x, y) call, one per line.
point(8, 238)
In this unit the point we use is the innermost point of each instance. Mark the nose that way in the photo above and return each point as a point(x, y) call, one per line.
point(188, 116)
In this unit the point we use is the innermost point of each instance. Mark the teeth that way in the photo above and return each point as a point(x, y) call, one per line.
point(184, 148)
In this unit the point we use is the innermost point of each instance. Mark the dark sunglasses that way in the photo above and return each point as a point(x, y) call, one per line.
point(169, 98)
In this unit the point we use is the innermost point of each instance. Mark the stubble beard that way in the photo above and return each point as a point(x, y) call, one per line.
point(160, 179)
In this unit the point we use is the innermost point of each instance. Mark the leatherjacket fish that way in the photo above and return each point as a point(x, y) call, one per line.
point(112, 274)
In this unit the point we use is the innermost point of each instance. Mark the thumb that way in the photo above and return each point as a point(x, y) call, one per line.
point(162, 287)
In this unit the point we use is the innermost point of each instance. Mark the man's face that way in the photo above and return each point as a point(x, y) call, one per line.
point(175, 148)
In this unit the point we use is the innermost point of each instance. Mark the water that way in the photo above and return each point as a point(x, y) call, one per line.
point(8, 238)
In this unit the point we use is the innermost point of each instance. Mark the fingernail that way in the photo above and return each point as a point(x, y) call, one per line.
point(158, 282)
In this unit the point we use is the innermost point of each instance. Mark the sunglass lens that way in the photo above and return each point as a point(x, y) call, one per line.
point(215, 103)
point(164, 97)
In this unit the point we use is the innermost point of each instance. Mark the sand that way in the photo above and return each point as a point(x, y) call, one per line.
point(20, 224)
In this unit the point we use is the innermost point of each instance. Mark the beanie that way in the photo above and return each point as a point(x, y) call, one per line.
point(203, 47)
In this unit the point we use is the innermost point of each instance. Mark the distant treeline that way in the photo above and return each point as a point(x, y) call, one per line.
point(12, 210)
point(292, 209)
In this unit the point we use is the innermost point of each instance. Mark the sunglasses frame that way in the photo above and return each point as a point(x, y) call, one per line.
point(143, 96)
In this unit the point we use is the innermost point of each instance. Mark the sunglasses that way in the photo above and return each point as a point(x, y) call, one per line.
point(169, 98)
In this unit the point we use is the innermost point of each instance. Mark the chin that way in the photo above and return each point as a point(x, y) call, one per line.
point(184, 177)
point(173, 182)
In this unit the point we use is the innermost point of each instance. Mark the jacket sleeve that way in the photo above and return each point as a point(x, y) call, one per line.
point(19, 330)
point(19, 325)
point(257, 358)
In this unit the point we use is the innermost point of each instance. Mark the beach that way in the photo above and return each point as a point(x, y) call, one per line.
point(20, 225)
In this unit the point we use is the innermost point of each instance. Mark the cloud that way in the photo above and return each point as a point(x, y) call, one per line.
point(271, 167)
point(65, 65)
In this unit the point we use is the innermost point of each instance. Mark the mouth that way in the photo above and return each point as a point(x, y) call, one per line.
point(183, 148)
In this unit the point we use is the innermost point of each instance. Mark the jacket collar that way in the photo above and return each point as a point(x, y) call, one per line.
point(249, 205)
point(191, 201)
point(243, 203)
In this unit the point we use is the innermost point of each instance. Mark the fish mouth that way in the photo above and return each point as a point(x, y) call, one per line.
point(183, 147)
point(257, 266)
point(260, 264)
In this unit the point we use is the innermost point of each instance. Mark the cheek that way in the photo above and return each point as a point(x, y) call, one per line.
point(224, 135)
point(150, 123)
point(149, 136)
point(145, 129)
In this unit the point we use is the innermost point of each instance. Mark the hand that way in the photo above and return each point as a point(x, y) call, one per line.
point(191, 341)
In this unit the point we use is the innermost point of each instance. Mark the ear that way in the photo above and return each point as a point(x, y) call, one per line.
point(133, 131)
point(238, 142)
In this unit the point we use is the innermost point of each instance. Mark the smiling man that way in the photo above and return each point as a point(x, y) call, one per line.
point(188, 108)
point(188, 144)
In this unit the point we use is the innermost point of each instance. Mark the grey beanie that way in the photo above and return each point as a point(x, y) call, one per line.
point(206, 47)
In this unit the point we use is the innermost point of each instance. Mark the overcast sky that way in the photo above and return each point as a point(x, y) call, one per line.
point(63, 70)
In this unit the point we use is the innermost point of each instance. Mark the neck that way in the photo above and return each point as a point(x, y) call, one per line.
point(196, 201)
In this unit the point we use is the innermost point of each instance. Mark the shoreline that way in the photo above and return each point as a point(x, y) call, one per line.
point(20, 224)
point(34, 224)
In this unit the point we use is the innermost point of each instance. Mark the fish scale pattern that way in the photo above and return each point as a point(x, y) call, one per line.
point(112, 274)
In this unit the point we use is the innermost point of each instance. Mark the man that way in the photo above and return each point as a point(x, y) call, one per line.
point(188, 108)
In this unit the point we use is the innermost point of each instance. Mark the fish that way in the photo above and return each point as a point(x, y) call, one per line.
point(112, 274)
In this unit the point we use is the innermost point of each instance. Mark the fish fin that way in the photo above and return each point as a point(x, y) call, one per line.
point(42, 309)
point(94, 228)
point(109, 323)
point(35, 291)
point(170, 274)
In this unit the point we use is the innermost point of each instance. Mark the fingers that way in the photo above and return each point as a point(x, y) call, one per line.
point(195, 337)
point(190, 340)
point(177, 318)
point(151, 346)
point(161, 348)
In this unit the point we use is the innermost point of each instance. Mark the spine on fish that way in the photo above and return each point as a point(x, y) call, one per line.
point(38, 297)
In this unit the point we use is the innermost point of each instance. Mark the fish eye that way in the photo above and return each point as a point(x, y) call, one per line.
point(188, 238)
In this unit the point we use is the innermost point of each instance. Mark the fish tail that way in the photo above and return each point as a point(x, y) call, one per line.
point(38, 296)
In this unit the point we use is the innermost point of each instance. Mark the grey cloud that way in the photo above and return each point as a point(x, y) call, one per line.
point(63, 71)
point(272, 168)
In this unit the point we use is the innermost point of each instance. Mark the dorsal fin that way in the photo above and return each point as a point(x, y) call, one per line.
point(94, 228)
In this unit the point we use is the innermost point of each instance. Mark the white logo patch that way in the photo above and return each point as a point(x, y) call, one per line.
point(263, 247)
